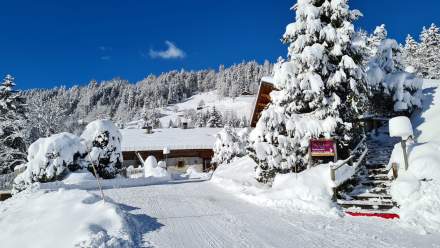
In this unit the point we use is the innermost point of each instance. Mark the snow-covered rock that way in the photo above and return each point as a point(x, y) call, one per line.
point(63, 218)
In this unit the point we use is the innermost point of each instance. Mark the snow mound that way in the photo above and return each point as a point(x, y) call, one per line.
point(63, 218)
point(151, 169)
point(306, 192)
point(193, 173)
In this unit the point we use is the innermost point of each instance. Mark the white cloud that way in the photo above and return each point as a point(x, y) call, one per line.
point(105, 57)
point(172, 52)
point(105, 48)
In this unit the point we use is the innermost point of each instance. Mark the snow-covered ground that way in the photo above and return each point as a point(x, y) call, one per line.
point(64, 218)
point(200, 214)
point(417, 190)
point(309, 192)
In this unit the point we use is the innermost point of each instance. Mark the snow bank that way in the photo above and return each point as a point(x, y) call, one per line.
point(63, 218)
point(417, 190)
point(306, 192)
point(151, 169)
point(49, 158)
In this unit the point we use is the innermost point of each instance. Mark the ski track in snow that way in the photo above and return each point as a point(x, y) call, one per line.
point(199, 214)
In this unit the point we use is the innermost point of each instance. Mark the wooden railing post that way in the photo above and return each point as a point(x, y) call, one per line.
point(395, 168)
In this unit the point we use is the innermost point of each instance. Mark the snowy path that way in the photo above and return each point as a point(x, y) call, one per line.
point(199, 214)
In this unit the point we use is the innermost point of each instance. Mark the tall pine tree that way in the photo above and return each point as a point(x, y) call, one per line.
point(12, 116)
point(428, 52)
point(320, 88)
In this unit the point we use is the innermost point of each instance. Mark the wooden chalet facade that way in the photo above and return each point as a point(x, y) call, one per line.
point(262, 100)
point(184, 147)
point(179, 159)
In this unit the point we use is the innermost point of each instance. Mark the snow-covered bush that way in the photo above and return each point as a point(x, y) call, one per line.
point(229, 144)
point(320, 88)
point(393, 89)
point(103, 141)
point(50, 159)
point(151, 169)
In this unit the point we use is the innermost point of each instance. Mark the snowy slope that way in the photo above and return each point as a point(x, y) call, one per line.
point(241, 106)
point(417, 190)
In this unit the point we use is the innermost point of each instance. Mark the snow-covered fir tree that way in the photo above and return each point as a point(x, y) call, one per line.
point(321, 88)
point(229, 144)
point(410, 56)
point(214, 118)
point(428, 52)
point(421, 56)
point(393, 89)
point(12, 122)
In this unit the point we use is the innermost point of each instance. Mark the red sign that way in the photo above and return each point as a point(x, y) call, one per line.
point(322, 148)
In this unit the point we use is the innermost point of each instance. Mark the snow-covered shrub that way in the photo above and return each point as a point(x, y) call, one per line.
point(50, 159)
point(229, 144)
point(320, 89)
point(393, 89)
point(151, 168)
point(103, 141)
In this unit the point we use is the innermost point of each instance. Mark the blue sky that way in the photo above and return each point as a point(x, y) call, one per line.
point(49, 43)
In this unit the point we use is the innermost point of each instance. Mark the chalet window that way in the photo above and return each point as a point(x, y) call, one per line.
point(180, 164)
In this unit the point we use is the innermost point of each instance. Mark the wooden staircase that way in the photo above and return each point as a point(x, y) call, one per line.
point(368, 192)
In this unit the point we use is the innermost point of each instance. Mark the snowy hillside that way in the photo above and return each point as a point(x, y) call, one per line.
point(238, 107)
point(241, 106)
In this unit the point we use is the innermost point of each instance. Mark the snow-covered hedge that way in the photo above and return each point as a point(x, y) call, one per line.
point(50, 159)
point(103, 141)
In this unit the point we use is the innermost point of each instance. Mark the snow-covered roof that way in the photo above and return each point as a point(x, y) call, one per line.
point(173, 138)
point(268, 80)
